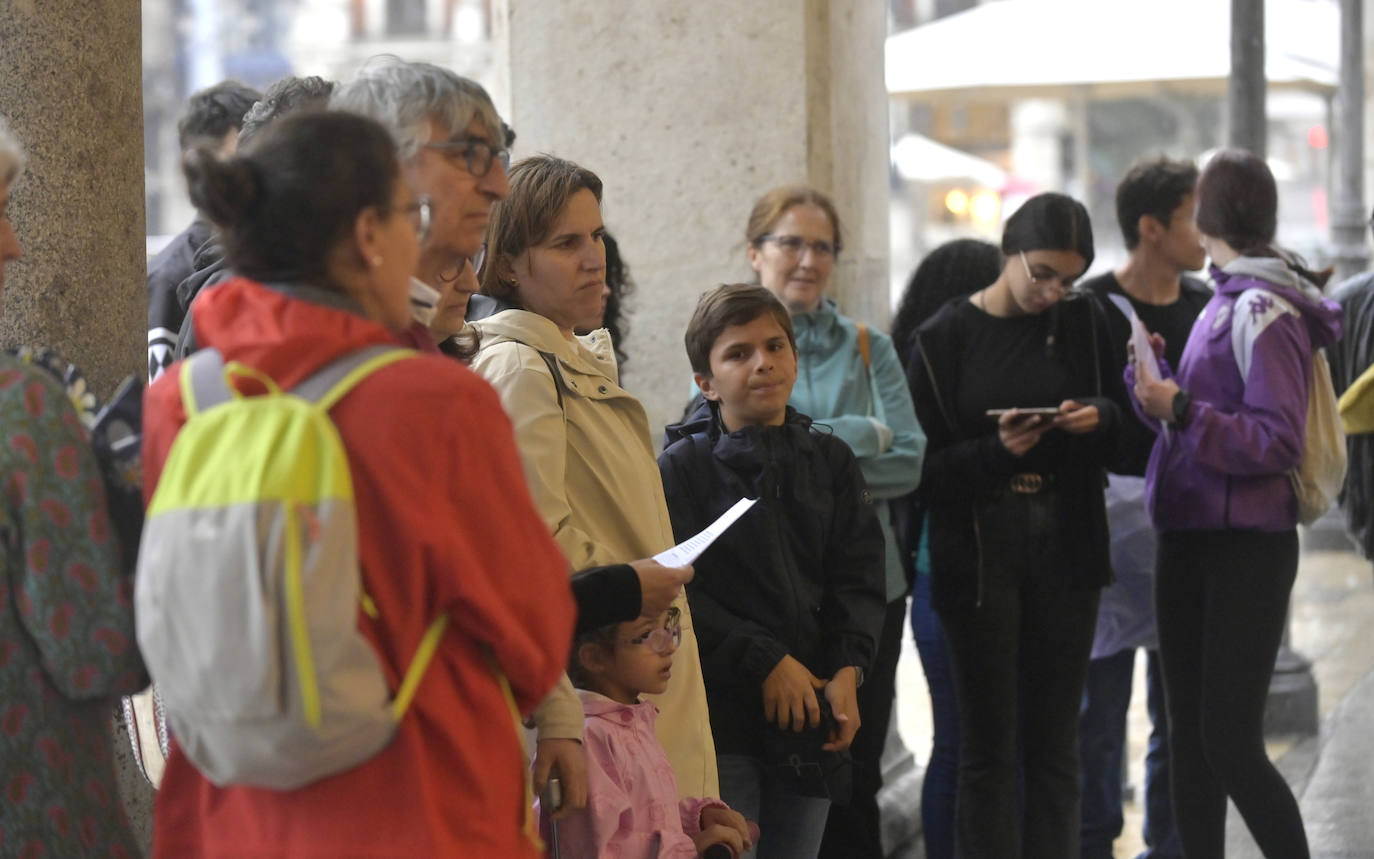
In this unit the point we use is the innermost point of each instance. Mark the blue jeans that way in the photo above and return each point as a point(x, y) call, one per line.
point(1101, 752)
point(939, 788)
point(790, 826)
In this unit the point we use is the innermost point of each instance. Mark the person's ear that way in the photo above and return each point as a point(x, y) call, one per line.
point(1149, 228)
point(367, 237)
point(755, 258)
point(707, 385)
point(593, 658)
point(505, 270)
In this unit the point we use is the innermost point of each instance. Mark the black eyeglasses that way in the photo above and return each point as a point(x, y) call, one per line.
point(478, 153)
point(795, 246)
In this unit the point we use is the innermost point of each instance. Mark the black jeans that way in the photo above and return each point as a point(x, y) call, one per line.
point(1020, 659)
point(1221, 599)
point(854, 830)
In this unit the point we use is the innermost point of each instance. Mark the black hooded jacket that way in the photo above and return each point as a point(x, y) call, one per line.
point(800, 574)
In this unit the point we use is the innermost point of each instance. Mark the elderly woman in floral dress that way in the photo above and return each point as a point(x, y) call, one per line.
point(66, 619)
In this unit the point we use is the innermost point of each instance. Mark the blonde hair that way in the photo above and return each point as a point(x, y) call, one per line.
point(776, 202)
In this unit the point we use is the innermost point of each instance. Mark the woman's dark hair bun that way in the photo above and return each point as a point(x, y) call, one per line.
point(226, 190)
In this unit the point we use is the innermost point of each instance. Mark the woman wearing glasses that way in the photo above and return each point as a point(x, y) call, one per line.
point(1019, 399)
point(322, 231)
point(584, 440)
point(850, 379)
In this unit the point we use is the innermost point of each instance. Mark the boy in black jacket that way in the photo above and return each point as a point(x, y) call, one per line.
point(789, 601)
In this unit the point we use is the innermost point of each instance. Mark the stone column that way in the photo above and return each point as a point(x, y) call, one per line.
point(1247, 114)
point(70, 84)
point(690, 111)
point(1348, 213)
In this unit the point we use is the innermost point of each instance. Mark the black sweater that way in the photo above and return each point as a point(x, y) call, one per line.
point(966, 462)
point(800, 574)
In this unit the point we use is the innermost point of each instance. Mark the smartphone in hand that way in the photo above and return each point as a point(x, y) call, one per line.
point(1033, 410)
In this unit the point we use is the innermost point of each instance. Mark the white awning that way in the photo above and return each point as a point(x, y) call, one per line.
point(1029, 48)
point(920, 159)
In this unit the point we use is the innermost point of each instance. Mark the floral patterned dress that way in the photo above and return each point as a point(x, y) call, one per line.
point(67, 646)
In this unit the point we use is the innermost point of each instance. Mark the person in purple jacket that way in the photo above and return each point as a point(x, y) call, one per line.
point(1231, 425)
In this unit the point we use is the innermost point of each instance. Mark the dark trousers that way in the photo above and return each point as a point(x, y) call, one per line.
point(1102, 752)
point(1221, 599)
point(1020, 659)
point(854, 831)
point(940, 783)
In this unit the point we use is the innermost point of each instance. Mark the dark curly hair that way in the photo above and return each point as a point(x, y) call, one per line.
point(956, 268)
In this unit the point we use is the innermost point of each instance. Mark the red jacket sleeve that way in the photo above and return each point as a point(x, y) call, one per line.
point(515, 594)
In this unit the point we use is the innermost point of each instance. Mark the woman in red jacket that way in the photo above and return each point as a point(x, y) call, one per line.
point(323, 233)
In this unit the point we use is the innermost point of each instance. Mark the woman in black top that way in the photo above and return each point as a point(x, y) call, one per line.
point(1018, 529)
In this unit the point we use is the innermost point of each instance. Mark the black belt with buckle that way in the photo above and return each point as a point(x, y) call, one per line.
point(1029, 483)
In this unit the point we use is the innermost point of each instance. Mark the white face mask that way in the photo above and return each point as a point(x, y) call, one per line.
point(423, 297)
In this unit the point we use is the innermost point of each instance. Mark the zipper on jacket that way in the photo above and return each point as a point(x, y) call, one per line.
point(770, 472)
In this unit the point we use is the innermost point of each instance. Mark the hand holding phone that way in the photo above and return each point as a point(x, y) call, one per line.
point(1019, 430)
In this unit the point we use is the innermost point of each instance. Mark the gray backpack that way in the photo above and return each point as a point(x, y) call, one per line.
point(248, 585)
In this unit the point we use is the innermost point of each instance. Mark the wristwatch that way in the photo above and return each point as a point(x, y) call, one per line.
point(1182, 400)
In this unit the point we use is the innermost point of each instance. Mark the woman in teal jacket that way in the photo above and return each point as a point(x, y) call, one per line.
point(850, 379)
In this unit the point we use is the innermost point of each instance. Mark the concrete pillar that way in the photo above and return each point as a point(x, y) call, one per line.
point(690, 111)
point(70, 83)
point(1348, 213)
point(1247, 115)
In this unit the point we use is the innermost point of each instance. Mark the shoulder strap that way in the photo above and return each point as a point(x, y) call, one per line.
point(552, 362)
point(865, 348)
point(329, 384)
point(203, 385)
point(934, 385)
point(204, 377)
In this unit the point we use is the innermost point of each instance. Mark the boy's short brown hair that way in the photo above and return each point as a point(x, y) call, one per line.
point(725, 305)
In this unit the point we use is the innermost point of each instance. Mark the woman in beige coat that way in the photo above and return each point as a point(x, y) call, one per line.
point(583, 439)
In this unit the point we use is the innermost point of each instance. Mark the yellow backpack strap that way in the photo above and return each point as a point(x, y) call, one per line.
point(424, 654)
point(329, 384)
point(865, 350)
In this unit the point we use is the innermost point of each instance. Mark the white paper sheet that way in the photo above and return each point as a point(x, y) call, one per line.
point(689, 550)
point(1146, 364)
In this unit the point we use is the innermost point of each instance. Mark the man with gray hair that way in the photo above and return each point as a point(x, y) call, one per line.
point(454, 151)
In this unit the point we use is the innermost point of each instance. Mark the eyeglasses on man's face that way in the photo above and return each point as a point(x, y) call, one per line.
point(419, 213)
point(477, 153)
point(795, 246)
point(661, 639)
point(1046, 276)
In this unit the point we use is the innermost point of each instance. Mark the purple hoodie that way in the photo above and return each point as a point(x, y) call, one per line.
point(1247, 365)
